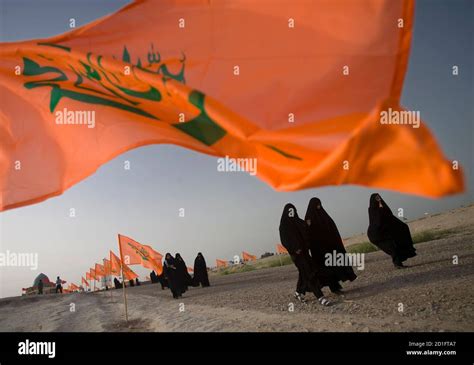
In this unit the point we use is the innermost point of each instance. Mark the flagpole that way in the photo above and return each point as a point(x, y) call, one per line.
point(110, 276)
point(279, 256)
point(123, 280)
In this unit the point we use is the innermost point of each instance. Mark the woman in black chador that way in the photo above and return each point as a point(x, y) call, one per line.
point(389, 233)
point(200, 271)
point(183, 273)
point(153, 277)
point(325, 239)
point(294, 237)
point(171, 272)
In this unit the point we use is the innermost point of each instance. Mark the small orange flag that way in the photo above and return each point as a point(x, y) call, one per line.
point(99, 271)
point(107, 268)
point(84, 281)
point(281, 249)
point(221, 263)
point(93, 274)
point(88, 276)
point(190, 269)
point(73, 287)
point(134, 253)
point(302, 88)
point(248, 257)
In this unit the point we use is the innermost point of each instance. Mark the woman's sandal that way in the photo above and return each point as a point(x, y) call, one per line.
point(325, 302)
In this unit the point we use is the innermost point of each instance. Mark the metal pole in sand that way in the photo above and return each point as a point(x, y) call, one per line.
point(123, 281)
point(279, 256)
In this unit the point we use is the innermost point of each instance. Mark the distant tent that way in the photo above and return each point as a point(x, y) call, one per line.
point(42, 277)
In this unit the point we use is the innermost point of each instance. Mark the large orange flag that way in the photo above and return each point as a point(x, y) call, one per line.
point(116, 268)
point(134, 253)
point(248, 257)
point(309, 91)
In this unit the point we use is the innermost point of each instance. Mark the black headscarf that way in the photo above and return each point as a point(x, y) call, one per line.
point(325, 238)
point(293, 231)
point(169, 260)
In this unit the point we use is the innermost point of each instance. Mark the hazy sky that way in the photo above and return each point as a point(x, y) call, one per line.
point(225, 213)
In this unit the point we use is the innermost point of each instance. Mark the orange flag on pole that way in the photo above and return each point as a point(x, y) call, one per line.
point(88, 276)
point(135, 253)
point(221, 263)
point(93, 274)
point(107, 268)
point(84, 281)
point(248, 257)
point(116, 268)
point(99, 271)
point(281, 249)
point(304, 88)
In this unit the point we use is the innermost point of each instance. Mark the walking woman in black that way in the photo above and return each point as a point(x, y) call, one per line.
point(185, 279)
point(325, 239)
point(389, 233)
point(171, 272)
point(200, 271)
point(294, 237)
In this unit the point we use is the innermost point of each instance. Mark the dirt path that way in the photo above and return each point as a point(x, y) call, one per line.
point(436, 294)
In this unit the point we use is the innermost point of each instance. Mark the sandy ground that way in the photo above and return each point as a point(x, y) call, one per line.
point(436, 295)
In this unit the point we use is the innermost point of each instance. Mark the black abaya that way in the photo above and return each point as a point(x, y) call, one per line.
point(171, 272)
point(294, 237)
point(325, 239)
point(200, 271)
point(185, 279)
point(389, 233)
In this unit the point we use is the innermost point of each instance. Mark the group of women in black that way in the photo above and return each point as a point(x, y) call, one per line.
point(176, 277)
point(309, 240)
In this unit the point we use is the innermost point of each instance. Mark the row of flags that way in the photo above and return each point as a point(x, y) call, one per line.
point(135, 253)
point(131, 252)
point(249, 257)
